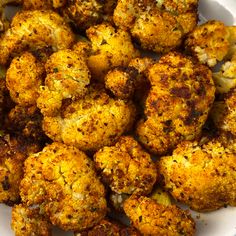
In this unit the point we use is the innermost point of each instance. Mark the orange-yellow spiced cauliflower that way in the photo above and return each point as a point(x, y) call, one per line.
point(63, 179)
point(158, 25)
point(126, 167)
point(109, 47)
point(13, 152)
point(92, 122)
point(35, 30)
point(211, 42)
point(28, 222)
point(67, 78)
point(151, 218)
point(111, 228)
point(223, 112)
point(23, 79)
point(202, 176)
point(177, 106)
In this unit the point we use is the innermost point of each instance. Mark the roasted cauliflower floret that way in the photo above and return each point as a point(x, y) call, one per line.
point(86, 13)
point(211, 42)
point(107, 227)
point(151, 218)
point(28, 222)
point(64, 180)
point(92, 122)
point(126, 167)
point(225, 79)
point(223, 113)
point(201, 176)
point(178, 103)
point(67, 78)
point(34, 30)
point(13, 152)
point(110, 47)
point(157, 27)
point(26, 121)
point(116, 201)
point(43, 4)
point(123, 82)
point(23, 79)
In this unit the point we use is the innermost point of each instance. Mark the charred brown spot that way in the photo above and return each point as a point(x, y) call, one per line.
point(183, 92)
point(5, 183)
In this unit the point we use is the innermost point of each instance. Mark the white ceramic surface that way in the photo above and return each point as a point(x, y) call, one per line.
point(218, 223)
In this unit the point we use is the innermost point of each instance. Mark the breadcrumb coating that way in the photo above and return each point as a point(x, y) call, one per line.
point(13, 152)
point(126, 167)
point(223, 113)
point(28, 222)
point(110, 47)
point(151, 218)
point(201, 176)
point(63, 179)
point(211, 42)
point(67, 78)
point(35, 30)
point(178, 103)
point(159, 26)
point(93, 122)
point(225, 79)
point(23, 79)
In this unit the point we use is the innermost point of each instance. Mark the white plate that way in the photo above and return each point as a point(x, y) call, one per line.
point(218, 223)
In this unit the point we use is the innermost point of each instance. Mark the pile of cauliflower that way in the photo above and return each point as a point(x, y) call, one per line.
point(91, 129)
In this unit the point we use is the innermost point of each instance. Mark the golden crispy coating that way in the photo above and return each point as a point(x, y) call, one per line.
point(35, 29)
point(177, 106)
point(225, 79)
point(67, 78)
point(92, 122)
point(110, 47)
point(107, 227)
point(211, 42)
point(86, 13)
point(28, 222)
point(151, 218)
point(123, 82)
point(26, 121)
point(126, 167)
point(223, 113)
point(64, 180)
point(43, 4)
point(13, 152)
point(201, 176)
point(158, 25)
point(23, 79)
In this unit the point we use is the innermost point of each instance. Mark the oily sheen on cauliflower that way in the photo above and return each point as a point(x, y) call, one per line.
point(201, 175)
point(35, 30)
point(63, 179)
point(126, 167)
point(177, 106)
point(151, 218)
point(158, 25)
point(92, 122)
